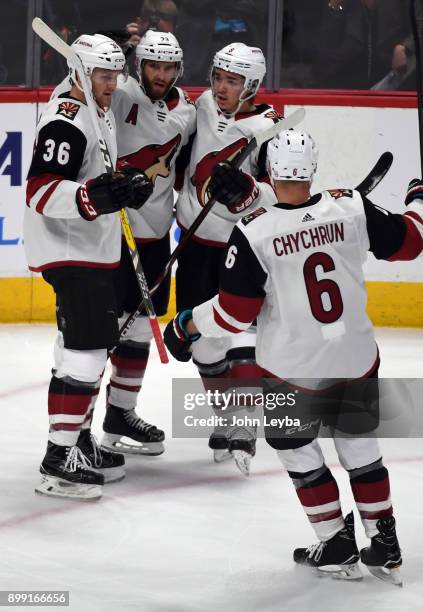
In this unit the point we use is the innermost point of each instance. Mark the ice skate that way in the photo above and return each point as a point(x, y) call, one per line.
point(218, 442)
point(336, 558)
point(242, 446)
point(66, 473)
point(102, 461)
point(383, 556)
point(126, 432)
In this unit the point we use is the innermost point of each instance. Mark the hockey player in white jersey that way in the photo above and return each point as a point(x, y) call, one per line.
point(227, 115)
point(154, 121)
point(297, 267)
point(73, 237)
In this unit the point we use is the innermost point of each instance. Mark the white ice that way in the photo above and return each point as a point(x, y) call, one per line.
point(180, 533)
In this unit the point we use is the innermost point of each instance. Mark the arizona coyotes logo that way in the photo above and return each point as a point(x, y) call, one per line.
point(155, 159)
point(68, 110)
point(340, 193)
point(274, 116)
point(201, 178)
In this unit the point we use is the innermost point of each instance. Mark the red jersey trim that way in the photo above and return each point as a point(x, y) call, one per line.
point(414, 215)
point(36, 182)
point(81, 264)
point(45, 198)
point(243, 309)
point(223, 324)
point(413, 242)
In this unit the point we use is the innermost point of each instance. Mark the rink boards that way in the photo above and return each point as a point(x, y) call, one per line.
point(352, 131)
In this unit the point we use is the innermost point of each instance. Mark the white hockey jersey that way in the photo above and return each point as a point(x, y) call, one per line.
point(150, 136)
point(66, 155)
point(219, 138)
point(298, 269)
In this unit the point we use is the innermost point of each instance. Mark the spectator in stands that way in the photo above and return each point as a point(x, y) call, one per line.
point(160, 15)
point(207, 26)
point(363, 40)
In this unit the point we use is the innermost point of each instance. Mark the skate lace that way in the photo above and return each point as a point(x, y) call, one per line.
point(316, 550)
point(76, 459)
point(135, 421)
point(98, 461)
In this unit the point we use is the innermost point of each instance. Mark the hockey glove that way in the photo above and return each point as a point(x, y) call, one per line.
point(109, 193)
point(414, 191)
point(232, 187)
point(142, 186)
point(176, 337)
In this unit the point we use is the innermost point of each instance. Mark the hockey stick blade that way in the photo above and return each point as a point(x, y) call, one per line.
point(50, 37)
point(377, 173)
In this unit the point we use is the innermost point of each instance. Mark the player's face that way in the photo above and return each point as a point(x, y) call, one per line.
point(104, 82)
point(227, 88)
point(157, 78)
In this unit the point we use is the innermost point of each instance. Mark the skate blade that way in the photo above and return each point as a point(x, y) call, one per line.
point(350, 571)
point(243, 461)
point(51, 486)
point(121, 444)
point(221, 454)
point(393, 576)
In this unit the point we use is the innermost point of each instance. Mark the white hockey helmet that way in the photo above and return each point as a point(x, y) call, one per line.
point(292, 156)
point(96, 51)
point(247, 61)
point(159, 47)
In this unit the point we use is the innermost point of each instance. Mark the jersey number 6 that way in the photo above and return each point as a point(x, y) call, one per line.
point(316, 288)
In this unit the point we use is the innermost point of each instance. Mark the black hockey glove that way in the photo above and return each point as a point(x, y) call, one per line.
point(142, 186)
point(232, 187)
point(176, 337)
point(414, 191)
point(108, 193)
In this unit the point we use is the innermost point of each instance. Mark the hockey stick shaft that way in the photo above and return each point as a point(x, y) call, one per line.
point(51, 38)
point(284, 124)
point(417, 47)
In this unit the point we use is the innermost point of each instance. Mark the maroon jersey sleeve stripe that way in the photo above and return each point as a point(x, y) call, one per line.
point(223, 324)
point(36, 182)
point(244, 309)
point(45, 198)
point(412, 245)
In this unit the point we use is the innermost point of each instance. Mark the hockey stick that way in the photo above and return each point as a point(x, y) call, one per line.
point(417, 49)
point(44, 32)
point(376, 174)
point(258, 139)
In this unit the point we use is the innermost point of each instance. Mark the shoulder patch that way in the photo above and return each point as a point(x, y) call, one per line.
point(68, 110)
point(340, 193)
point(274, 115)
point(257, 213)
point(187, 98)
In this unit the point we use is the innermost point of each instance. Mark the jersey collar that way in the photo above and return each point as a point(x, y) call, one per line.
point(313, 200)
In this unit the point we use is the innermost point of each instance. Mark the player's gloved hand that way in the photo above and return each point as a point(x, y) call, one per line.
point(232, 187)
point(414, 191)
point(177, 339)
point(108, 193)
point(142, 186)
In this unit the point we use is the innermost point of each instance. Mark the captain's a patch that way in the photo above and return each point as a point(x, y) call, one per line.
point(68, 110)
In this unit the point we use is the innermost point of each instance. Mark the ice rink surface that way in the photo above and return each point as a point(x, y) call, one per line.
point(180, 533)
